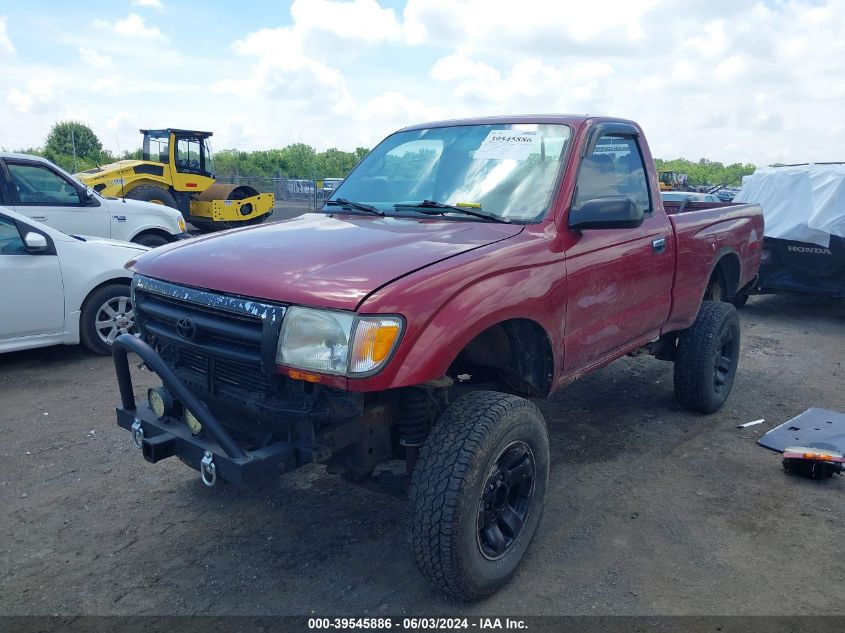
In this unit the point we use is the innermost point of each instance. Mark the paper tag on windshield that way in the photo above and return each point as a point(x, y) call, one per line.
point(508, 144)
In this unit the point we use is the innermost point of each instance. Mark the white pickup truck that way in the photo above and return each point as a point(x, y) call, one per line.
point(36, 188)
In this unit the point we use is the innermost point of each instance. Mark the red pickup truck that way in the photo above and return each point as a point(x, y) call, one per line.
point(461, 268)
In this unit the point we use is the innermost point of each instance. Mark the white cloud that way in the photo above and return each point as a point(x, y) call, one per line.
point(292, 64)
point(359, 19)
point(536, 26)
point(456, 67)
point(6, 46)
point(92, 58)
point(731, 68)
point(730, 80)
point(151, 4)
point(39, 95)
point(132, 26)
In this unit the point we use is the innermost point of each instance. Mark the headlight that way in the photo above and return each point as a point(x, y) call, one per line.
point(374, 340)
point(181, 224)
point(336, 342)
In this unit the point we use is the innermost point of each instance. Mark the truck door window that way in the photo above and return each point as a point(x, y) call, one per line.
point(614, 168)
point(40, 185)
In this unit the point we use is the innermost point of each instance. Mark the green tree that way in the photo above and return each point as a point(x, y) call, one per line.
point(707, 172)
point(301, 160)
point(74, 146)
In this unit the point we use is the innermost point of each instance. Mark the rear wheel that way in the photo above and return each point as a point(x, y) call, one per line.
point(106, 314)
point(707, 358)
point(477, 493)
point(154, 194)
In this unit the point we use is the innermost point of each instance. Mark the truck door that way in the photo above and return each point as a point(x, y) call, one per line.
point(45, 195)
point(619, 280)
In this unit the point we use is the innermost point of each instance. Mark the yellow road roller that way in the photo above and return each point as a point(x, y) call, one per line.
point(176, 170)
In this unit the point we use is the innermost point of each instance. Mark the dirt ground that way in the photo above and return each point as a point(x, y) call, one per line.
point(651, 510)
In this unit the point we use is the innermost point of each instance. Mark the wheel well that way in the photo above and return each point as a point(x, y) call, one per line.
point(123, 281)
point(517, 351)
point(728, 270)
point(159, 232)
point(143, 182)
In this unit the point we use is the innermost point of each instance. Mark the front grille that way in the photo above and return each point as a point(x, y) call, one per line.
point(226, 341)
point(224, 372)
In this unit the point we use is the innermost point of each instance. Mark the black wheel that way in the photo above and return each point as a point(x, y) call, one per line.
point(707, 358)
point(106, 313)
point(152, 240)
point(477, 493)
point(154, 194)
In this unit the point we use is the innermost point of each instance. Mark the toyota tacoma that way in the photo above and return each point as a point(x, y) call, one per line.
point(462, 268)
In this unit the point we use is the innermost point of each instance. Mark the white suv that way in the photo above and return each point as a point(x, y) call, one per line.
point(43, 192)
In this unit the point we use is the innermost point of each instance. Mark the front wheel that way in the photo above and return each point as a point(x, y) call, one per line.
point(477, 493)
point(707, 358)
point(106, 314)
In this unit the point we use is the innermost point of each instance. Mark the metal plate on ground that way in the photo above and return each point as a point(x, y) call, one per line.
point(815, 428)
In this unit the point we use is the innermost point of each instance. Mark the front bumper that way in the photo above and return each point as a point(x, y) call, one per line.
point(214, 452)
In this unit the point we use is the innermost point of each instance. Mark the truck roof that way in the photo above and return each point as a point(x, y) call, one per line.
point(573, 120)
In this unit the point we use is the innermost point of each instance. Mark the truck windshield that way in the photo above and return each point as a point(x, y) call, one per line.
point(506, 170)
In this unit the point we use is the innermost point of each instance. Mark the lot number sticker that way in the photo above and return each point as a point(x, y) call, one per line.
point(508, 144)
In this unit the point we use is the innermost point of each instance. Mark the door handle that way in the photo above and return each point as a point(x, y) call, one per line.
point(40, 218)
point(658, 245)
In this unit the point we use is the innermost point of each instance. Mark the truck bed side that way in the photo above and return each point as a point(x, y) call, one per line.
point(711, 234)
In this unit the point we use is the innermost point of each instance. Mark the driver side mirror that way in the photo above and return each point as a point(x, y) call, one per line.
point(35, 242)
point(87, 195)
point(610, 212)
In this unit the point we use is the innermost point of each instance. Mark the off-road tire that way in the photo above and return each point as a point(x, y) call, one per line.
point(87, 318)
point(154, 194)
point(707, 358)
point(445, 495)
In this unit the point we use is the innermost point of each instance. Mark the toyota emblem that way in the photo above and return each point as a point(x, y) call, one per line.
point(186, 328)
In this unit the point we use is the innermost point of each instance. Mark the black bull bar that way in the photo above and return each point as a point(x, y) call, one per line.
point(214, 452)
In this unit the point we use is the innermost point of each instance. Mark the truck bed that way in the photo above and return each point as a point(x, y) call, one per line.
point(704, 231)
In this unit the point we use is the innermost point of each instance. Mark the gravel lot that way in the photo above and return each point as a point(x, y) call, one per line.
point(651, 510)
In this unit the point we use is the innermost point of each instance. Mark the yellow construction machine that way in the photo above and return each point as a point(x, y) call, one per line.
point(176, 171)
point(672, 180)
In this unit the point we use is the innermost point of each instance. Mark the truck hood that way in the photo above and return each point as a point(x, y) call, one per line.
point(315, 259)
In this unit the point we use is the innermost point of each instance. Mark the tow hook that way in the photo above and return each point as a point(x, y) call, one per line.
point(208, 471)
point(137, 433)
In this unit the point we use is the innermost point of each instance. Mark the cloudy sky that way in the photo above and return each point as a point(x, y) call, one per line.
point(724, 79)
